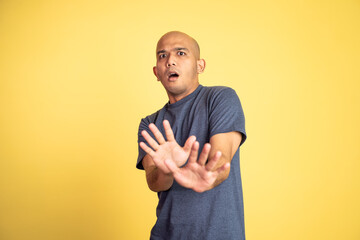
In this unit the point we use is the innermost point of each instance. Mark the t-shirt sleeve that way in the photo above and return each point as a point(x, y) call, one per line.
point(144, 125)
point(226, 114)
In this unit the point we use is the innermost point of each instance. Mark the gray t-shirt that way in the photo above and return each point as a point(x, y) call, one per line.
point(215, 214)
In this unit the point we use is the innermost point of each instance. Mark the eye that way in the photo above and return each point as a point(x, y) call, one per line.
point(161, 56)
point(180, 53)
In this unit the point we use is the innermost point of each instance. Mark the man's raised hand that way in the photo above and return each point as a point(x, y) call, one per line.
point(161, 149)
point(197, 174)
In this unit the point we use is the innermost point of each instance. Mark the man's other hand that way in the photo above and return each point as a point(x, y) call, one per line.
point(197, 174)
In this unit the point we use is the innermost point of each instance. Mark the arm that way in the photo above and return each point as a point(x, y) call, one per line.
point(227, 144)
point(206, 173)
point(158, 176)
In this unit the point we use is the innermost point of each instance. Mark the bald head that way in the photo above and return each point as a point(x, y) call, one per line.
point(182, 38)
point(178, 64)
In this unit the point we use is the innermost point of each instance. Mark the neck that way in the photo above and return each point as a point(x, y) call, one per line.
point(175, 98)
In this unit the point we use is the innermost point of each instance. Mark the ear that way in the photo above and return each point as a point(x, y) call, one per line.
point(155, 72)
point(201, 66)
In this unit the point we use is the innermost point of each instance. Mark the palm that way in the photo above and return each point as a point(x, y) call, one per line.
point(198, 175)
point(161, 149)
point(171, 150)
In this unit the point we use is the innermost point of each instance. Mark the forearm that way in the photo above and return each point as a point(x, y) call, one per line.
point(220, 178)
point(157, 180)
point(232, 141)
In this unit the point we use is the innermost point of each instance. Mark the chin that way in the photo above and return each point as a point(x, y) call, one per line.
point(175, 90)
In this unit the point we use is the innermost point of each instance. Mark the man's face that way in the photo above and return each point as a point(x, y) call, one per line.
point(178, 65)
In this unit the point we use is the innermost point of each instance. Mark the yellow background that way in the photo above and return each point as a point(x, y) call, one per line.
point(76, 78)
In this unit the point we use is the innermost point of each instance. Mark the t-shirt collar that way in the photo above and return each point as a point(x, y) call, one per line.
point(185, 99)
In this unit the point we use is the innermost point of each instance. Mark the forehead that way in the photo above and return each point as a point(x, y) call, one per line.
point(172, 41)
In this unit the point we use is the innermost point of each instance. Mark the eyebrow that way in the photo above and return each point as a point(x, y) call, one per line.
point(181, 48)
point(176, 49)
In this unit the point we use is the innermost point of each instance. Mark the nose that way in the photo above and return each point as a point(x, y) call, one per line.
point(171, 61)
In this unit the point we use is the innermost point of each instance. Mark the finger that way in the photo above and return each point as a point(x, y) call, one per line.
point(171, 166)
point(158, 135)
point(168, 131)
point(150, 140)
point(194, 152)
point(189, 144)
point(204, 154)
point(178, 175)
point(161, 165)
point(147, 149)
point(213, 161)
point(223, 168)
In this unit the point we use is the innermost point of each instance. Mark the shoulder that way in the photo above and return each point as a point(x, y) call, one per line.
point(150, 118)
point(219, 90)
point(220, 93)
point(144, 123)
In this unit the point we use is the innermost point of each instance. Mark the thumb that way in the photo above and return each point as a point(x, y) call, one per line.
point(223, 168)
point(188, 144)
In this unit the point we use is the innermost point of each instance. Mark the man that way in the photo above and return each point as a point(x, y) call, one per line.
point(200, 195)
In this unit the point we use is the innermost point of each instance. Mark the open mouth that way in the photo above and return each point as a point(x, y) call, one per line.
point(173, 76)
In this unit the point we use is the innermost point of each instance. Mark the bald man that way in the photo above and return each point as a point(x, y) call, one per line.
point(200, 193)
